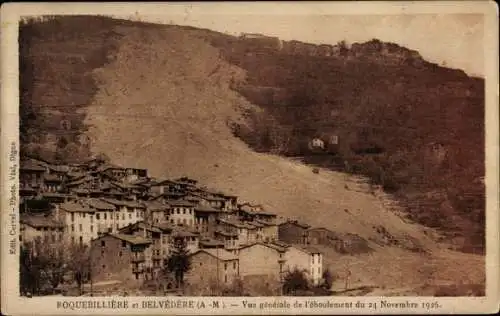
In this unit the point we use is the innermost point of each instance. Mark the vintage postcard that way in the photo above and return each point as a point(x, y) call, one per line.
point(250, 158)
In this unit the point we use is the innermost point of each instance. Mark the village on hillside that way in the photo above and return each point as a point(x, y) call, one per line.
point(121, 227)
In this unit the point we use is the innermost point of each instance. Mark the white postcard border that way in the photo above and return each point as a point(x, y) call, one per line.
point(12, 303)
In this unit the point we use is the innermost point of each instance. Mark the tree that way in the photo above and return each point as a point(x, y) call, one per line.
point(179, 262)
point(78, 264)
point(52, 263)
point(295, 281)
point(29, 272)
point(327, 279)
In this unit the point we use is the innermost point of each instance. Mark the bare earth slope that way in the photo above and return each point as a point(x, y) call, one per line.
point(164, 104)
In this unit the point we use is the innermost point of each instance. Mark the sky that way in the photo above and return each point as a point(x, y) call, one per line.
point(454, 40)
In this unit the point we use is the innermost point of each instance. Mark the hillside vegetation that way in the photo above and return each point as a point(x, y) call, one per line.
point(172, 99)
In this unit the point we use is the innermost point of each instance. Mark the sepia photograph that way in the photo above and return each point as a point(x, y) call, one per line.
point(172, 153)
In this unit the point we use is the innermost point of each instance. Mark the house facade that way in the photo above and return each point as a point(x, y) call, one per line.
point(292, 232)
point(40, 228)
point(261, 259)
point(213, 267)
point(121, 257)
point(306, 259)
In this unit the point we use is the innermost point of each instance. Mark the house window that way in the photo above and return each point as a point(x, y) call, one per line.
point(72, 217)
point(91, 218)
point(103, 243)
point(105, 216)
point(124, 243)
point(234, 265)
point(313, 259)
point(81, 240)
point(98, 216)
point(120, 253)
point(225, 266)
point(83, 215)
point(73, 227)
point(91, 228)
point(80, 226)
point(183, 211)
point(225, 279)
point(72, 239)
point(130, 216)
point(123, 216)
point(104, 266)
point(117, 216)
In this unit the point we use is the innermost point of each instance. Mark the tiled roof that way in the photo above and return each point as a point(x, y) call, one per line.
point(256, 224)
point(81, 191)
point(76, 175)
point(306, 248)
point(206, 209)
point(31, 165)
point(179, 232)
point(98, 204)
point(155, 206)
point(134, 240)
point(320, 228)
point(165, 227)
point(59, 168)
point(132, 204)
point(38, 221)
point(270, 245)
point(51, 178)
point(296, 223)
point(237, 224)
point(108, 166)
point(141, 225)
point(55, 195)
point(180, 203)
point(214, 198)
point(226, 233)
point(74, 207)
point(265, 223)
point(211, 242)
point(80, 181)
point(220, 254)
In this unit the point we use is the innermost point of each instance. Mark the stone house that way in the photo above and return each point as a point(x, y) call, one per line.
point(189, 238)
point(160, 242)
point(206, 219)
point(121, 257)
point(307, 259)
point(246, 233)
point(213, 267)
point(261, 259)
point(269, 230)
point(126, 212)
point(181, 213)
point(40, 228)
point(31, 177)
point(156, 212)
point(78, 220)
point(292, 232)
point(321, 236)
